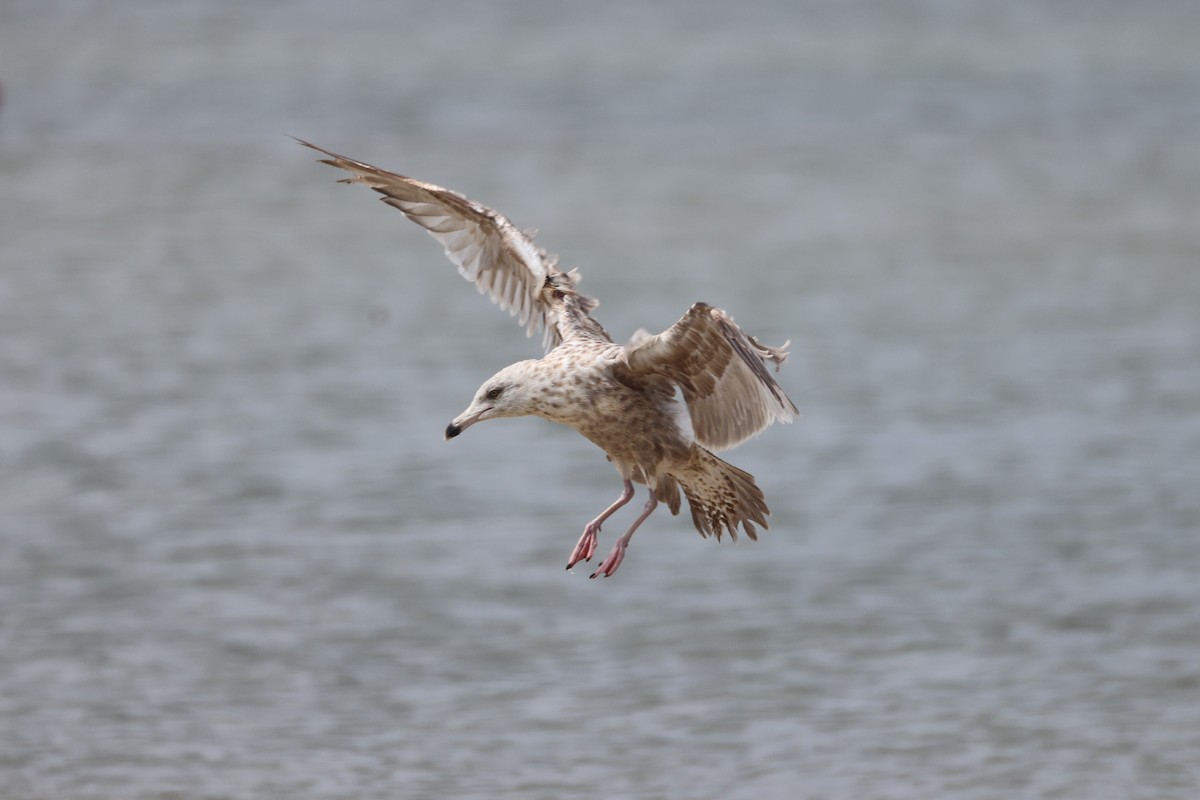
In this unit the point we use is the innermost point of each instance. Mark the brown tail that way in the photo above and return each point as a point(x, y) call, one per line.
point(722, 497)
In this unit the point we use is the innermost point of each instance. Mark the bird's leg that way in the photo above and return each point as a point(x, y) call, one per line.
point(587, 542)
point(613, 560)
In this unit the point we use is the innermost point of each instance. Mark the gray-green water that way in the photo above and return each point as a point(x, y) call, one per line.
point(237, 559)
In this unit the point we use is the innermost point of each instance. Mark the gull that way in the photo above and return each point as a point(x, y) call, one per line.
point(623, 398)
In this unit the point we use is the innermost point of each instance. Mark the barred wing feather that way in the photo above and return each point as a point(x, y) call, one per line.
point(488, 250)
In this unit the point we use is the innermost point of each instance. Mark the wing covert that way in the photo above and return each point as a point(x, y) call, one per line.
point(722, 372)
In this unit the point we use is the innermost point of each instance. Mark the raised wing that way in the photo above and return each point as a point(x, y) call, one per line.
point(722, 371)
point(487, 248)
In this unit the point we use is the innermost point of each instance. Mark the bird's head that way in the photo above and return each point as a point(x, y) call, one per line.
point(511, 392)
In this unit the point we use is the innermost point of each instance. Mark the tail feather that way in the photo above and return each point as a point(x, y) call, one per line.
point(722, 497)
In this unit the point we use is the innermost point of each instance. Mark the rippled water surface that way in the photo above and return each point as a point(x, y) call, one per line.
point(237, 560)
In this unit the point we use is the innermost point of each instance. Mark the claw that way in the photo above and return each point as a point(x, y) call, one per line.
point(613, 560)
point(615, 556)
point(586, 547)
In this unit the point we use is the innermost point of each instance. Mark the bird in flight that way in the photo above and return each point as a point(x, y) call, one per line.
point(620, 397)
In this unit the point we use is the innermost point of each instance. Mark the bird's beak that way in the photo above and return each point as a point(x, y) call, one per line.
point(464, 421)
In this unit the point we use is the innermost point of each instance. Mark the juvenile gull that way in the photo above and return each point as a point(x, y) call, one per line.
point(622, 398)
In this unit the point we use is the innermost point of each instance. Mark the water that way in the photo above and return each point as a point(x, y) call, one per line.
point(237, 560)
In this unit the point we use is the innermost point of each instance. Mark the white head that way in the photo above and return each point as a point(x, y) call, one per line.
point(514, 391)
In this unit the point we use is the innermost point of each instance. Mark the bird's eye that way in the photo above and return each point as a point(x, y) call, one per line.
point(494, 393)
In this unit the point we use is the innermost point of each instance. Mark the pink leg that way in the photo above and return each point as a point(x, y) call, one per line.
point(613, 560)
point(587, 542)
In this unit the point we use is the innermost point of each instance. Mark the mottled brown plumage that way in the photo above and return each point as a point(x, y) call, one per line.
point(622, 398)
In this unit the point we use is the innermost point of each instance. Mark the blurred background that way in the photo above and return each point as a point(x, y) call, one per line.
point(237, 560)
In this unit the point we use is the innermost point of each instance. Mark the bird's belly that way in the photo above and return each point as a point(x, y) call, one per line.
point(634, 430)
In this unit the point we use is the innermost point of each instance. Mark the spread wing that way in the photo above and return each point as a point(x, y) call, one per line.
point(487, 248)
point(722, 371)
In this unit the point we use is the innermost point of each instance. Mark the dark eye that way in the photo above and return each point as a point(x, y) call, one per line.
point(494, 393)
